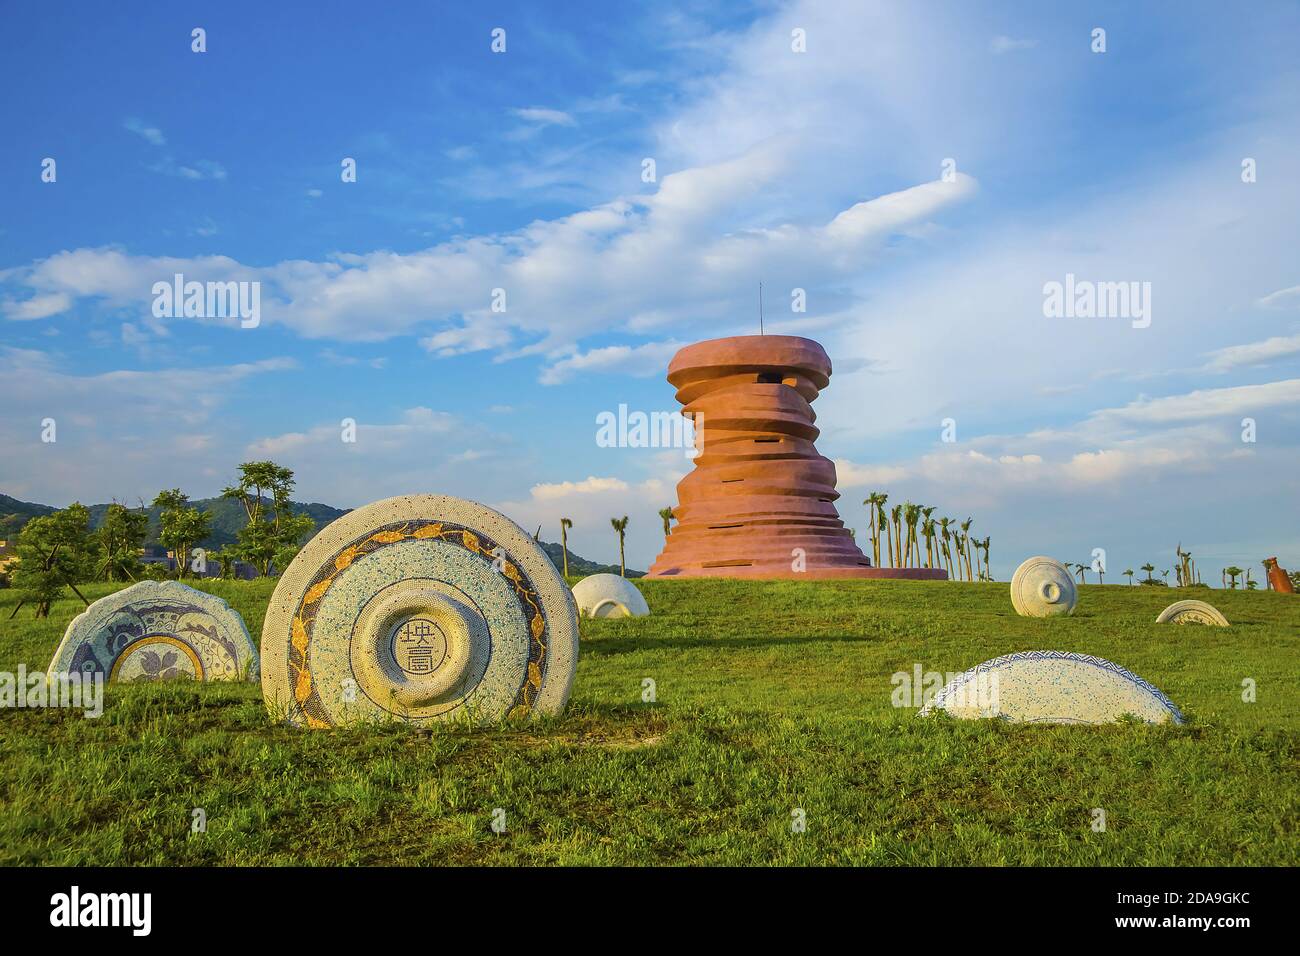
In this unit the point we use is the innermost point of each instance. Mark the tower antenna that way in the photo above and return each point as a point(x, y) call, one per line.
point(760, 308)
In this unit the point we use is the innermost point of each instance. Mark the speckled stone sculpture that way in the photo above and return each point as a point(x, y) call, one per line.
point(158, 630)
point(1052, 687)
point(1192, 612)
point(760, 502)
point(1042, 587)
point(419, 608)
point(608, 595)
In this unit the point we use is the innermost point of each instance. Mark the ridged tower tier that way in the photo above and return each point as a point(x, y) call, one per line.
point(759, 489)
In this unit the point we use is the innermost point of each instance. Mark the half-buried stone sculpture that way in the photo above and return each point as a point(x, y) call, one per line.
point(1052, 687)
point(420, 608)
point(158, 630)
point(760, 502)
point(608, 595)
point(1043, 587)
point(1192, 612)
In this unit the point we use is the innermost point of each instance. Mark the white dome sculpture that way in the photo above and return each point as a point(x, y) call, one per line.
point(608, 595)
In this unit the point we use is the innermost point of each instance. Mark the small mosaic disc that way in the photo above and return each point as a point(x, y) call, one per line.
point(419, 608)
point(158, 630)
point(609, 595)
point(1192, 612)
point(1043, 587)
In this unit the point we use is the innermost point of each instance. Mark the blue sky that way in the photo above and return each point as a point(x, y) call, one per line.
point(522, 170)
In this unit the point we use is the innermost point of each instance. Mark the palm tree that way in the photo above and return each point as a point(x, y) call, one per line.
point(984, 546)
point(1128, 573)
point(565, 525)
point(620, 525)
point(911, 513)
point(1148, 568)
point(1165, 574)
point(965, 544)
point(1233, 572)
point(881, 516)
point(896, 549)
point(927, 530)
point(925, 517)
point(667, 515)
point(873, 502)
point(1082, 571)
point(946, 536)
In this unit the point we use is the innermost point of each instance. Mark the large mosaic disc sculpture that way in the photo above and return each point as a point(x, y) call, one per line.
point(158, 630)
point(1043, 587)
point(1192, 612)
point(1052, 687)
point(760, 502)
point(608, 595)
point(419, 608)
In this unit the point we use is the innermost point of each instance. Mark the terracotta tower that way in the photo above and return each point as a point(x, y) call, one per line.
point(759, 489)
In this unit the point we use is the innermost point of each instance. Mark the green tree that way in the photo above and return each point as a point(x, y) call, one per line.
point(1233, 572)
point(620, 525)
point(54, 550)
point(667, 515)
point(1148, 568)
point(1128, 573)
point(181, 526)
point(119, 538)
point(274, 533)
point(225, 559)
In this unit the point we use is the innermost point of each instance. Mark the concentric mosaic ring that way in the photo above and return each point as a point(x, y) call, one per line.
point(1043, 587)
point(1192, 612)
point(158, 630)
point(419, 608)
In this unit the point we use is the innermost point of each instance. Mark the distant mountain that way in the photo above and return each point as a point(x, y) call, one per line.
point(579, 565)
point(228, 518)
point(14, 514)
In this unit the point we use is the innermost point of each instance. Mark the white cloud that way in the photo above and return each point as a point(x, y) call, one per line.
point(1207, 403)
point(151, 134)
point(38, 306)
point(544, 117)
point(1253, 353)
point(635, 360)
point(564, 279)
point(1004, 44)
point(1281, 299)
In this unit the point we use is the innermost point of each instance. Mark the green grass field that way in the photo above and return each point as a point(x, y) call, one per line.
point(770, 697)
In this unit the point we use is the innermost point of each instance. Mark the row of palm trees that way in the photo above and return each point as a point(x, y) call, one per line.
point(904, 528)
point(947, 542)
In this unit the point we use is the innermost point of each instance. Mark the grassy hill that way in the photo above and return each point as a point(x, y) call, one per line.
point(770, 697)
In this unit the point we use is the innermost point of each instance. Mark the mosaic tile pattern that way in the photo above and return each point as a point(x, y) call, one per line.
point(158, 630)
point(609, 595)
point(419, 608)
point(1192, 612)
point(1052, 687)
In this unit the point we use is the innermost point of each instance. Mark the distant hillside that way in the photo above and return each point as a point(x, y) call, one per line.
point(228, 518)
point(14, 514)
point(579, 565)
